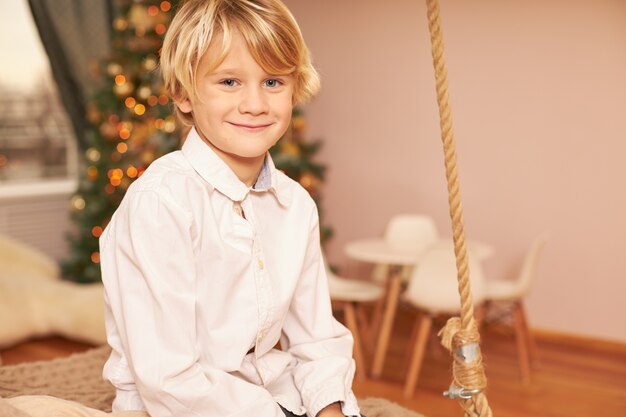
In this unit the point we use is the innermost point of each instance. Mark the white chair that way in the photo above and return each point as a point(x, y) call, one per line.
point(415, 232)
point(433, 289)
point(513, 292)
point(346, 295)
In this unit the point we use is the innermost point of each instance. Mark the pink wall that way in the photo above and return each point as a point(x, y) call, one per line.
point(538, 90)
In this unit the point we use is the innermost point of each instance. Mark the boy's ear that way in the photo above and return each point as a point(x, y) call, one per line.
point(184, 105)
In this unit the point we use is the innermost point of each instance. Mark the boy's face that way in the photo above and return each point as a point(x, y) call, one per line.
point(240, 110)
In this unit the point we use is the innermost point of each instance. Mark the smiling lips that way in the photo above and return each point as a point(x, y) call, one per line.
point(251, 127)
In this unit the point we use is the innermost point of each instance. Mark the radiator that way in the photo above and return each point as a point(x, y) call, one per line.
point(38, 215)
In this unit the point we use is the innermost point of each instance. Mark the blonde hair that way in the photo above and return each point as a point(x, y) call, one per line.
point(270, 32)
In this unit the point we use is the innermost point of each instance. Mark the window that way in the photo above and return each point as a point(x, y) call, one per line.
point(36, 138)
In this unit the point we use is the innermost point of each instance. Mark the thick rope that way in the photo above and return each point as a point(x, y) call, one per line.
point(459, 335)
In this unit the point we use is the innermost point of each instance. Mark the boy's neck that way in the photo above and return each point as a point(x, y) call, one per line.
point(246, 169)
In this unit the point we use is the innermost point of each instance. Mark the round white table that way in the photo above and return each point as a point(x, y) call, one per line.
point(379, 251)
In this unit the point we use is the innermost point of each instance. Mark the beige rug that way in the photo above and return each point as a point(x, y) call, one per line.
point(77, 379)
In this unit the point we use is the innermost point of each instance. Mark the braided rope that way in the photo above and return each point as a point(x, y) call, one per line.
point(459, 335)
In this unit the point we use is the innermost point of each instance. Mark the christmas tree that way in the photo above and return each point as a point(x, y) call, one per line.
point(294, 156)
point(133, 124)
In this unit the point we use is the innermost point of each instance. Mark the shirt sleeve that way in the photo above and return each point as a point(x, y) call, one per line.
point(322, 346)
point(148, 268)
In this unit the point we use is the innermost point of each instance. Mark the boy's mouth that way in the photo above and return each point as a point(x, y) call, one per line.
point(251, 127)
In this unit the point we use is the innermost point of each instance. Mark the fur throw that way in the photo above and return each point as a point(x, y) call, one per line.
point(35, 302)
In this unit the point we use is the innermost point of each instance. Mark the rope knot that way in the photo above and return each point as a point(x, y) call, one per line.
point(447, 332)
point(467, 369)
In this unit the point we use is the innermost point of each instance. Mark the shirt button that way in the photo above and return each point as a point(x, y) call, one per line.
point(260, 263)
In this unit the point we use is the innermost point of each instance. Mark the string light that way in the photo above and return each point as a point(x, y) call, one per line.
point(129, 102)
point(93, 154)
point(115, 173)
point(114, 68)
point(131, 171)
point(124, 133)
point(306, 181)
point(93, 114)
point(299, 123)
point(144, 92)
point(166, 6)
point(170, 125)
point(77, 202)
point(290, 148)
point(140, 109)
point(120, 24)
point(150, 63)
point(96, 231)
point(122, 147)
point(153, 11)
point(95, 257)
point(120, 79)
point(160, 29)
point(92, 172)
point(147, 156)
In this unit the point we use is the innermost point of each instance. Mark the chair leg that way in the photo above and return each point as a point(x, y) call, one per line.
point(377, 318)
point(530, 339)
point(425, 323)
point(480, 312)
point(391, 303)
point(521, 338)
point(351, 323)
point(365, 329)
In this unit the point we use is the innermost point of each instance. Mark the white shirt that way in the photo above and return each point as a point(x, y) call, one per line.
point(191, 287)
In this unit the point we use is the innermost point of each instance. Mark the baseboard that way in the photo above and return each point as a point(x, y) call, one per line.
point(570, 339)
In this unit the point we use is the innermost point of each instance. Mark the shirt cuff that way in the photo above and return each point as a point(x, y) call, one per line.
point(349, 406)
point(315, 402)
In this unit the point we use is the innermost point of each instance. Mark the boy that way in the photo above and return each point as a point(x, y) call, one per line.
point(213, 256)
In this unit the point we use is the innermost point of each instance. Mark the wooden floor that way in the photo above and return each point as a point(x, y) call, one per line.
point(577, 377)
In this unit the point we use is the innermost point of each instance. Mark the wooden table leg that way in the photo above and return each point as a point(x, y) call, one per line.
point(389, 313)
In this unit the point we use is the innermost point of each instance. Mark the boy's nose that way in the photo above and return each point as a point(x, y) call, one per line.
point(253, 101)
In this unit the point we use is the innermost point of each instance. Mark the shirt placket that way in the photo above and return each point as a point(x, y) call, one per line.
point(265, 297)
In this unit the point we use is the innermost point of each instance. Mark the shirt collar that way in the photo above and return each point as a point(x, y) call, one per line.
point(215, 171)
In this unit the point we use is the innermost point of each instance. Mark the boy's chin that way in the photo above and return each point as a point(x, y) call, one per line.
point(251, 155)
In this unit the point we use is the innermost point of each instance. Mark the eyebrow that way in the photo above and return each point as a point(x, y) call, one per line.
point(235, 72)
point(225, 71)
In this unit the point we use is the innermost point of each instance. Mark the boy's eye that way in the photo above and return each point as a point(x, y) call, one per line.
point(272, 83)
point(229, 82)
